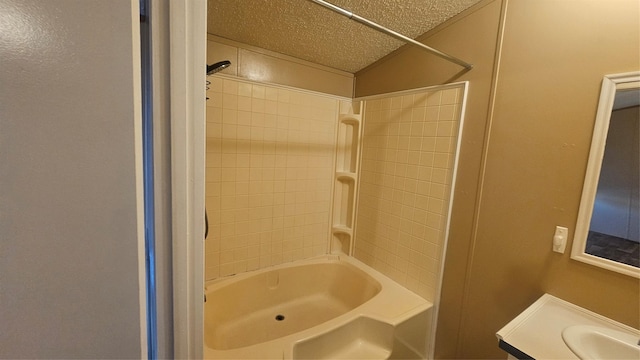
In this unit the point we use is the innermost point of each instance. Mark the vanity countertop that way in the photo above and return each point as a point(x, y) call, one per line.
point(537, 331)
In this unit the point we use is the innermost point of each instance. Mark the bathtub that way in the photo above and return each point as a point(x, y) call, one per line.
point(330, 307)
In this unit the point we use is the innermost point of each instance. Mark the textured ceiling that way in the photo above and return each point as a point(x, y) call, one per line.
point(308, 31)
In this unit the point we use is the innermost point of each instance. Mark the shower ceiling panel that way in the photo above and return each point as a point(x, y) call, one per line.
point(308, 31)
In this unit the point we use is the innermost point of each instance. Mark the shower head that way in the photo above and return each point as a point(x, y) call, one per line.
point(214, 68)
point(219, 66)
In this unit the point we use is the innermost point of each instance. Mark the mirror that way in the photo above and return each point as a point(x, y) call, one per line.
point(608, 227)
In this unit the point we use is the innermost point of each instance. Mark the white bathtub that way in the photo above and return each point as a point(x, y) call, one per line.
point(330, 307)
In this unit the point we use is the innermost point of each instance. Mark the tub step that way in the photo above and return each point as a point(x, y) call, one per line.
point(362, 338)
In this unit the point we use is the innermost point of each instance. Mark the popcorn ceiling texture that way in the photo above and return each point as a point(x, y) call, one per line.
point(308, 31)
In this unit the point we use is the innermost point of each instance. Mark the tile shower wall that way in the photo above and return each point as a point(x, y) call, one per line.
point(270, 154)
point(408, 155)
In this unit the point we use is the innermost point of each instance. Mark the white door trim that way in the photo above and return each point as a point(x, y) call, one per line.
point(187, 82)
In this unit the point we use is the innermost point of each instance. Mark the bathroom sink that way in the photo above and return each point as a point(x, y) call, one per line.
point(595, 342)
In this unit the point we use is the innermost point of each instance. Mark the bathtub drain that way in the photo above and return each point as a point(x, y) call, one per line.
point(279, 317)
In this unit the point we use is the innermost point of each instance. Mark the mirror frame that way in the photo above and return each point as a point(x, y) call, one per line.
point(610, 84)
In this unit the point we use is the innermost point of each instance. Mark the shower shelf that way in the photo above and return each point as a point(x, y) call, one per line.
point(342, 230)
point(350, 119)
point(346, 176)
point(348, 141)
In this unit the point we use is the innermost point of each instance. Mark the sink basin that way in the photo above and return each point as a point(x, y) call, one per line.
point(595, 342)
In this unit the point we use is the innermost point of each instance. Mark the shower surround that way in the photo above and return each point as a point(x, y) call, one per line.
point(408, 162)
point(270, 153)
point(271, 165)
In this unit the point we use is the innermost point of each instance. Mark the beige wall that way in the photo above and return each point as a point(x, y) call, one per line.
point(256, 64)
point(540, 138)
point(553, 57)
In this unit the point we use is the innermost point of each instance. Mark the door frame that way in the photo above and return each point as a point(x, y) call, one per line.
point(185, 44)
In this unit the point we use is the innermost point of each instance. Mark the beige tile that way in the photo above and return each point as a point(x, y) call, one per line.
point(404, 181)
point(263, 153)
point(215, 100)
point(433, 98)
point(449, 96)
point(432, 113)
point(214, 115)
point(230, 87)
point(244, 103)
point(229, 101)
point(244, 89)
point(216, 84)
point(258, 92)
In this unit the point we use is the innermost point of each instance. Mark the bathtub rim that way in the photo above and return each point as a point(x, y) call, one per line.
point(214, 284)
point(330, 271)
point(411, 304)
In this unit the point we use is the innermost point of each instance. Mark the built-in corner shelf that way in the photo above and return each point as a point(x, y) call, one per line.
point(342, 230)
point(346, 177)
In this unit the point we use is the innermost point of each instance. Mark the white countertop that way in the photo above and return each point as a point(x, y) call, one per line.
point(537, 331)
